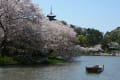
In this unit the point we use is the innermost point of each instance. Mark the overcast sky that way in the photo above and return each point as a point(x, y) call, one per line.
point(103, 15)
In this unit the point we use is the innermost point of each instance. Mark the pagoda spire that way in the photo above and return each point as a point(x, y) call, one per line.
point(51, 10)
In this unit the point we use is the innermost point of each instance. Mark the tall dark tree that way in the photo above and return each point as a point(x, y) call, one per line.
point(93, 37)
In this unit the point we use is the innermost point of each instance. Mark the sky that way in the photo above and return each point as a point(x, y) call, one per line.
point(103, 15)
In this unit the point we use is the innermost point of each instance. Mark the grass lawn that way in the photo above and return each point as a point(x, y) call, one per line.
point(54, 60)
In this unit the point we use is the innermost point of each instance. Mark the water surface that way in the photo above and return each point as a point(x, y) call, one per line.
point(68, 71)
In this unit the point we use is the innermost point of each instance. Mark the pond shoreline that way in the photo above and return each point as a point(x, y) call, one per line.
point(43, 64)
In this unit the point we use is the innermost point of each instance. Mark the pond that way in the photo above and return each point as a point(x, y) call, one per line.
point(68, 71)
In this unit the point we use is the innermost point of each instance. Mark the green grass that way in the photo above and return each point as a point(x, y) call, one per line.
point(107, 54)
point(5, 60)
point(54, 60)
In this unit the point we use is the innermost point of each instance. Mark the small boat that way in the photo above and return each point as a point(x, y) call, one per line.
point(95, 69)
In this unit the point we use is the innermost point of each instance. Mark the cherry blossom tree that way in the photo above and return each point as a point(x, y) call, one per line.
point(26, 33)
point(58, 37)
point(19, 21)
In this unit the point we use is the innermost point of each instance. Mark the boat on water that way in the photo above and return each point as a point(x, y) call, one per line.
point(95, 69)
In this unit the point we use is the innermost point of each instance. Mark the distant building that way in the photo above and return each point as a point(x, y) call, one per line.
point(51, 16)
point(114, 48)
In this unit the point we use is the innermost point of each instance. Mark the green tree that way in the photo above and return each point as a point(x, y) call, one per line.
point(113, 36)
point(93, 37)
point(81, 40)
